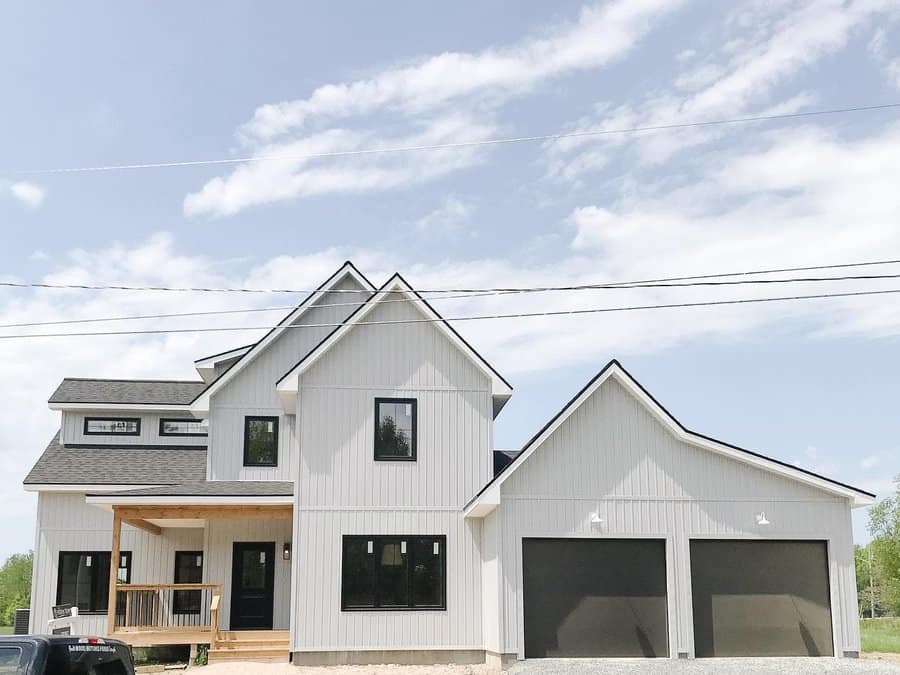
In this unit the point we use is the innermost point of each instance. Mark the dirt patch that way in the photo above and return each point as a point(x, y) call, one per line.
point(876, 656)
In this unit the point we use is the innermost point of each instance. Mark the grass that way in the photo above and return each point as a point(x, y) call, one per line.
point(880, 635)
point(6, 630)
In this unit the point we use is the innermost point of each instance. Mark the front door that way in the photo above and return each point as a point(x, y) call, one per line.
point(252, 585)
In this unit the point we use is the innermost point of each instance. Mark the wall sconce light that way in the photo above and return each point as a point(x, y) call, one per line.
point(596, 519)
point(286, 551)
point(761, 519)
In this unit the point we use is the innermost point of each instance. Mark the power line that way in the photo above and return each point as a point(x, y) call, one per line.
point(451, 146)
point(520, 315)
point(598, 287)
point(203, 289)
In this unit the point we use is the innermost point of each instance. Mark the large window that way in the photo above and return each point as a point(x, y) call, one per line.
point(84, 579)
point(394, 573)
point(395, 429)
point(188, 570)
point(118, 426)
point(260, 441)
point(183, 427)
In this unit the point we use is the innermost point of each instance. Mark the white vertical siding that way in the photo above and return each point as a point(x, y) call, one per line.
point(66, 523)
point(343, 490)
point(613, 457)
point(220, 537)
point(252, 392)
point(72, 430)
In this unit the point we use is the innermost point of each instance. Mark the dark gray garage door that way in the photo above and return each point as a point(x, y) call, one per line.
point(761, 598)
point(594, 597)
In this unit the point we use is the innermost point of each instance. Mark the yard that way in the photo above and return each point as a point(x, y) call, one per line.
point(881, 636)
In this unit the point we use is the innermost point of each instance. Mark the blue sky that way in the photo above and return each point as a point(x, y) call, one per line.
point(110, 83)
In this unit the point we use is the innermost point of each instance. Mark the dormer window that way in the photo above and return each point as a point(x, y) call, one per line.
point(260, 441)
point(112, 426)
point(395, 429)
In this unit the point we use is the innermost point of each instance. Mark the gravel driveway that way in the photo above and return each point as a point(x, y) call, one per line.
point(584, 666)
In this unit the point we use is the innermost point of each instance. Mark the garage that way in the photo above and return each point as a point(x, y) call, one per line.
point(594, 598)
point(761, 598)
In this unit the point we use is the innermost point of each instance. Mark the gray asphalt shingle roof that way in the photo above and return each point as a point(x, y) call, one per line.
point(213, 488)
point(162, 392)
point(117, 465)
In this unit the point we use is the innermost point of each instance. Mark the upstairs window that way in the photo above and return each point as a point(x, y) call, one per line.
point(84, 579)
point(394, 573)
point(395, 429)
point(260, 441)
point(183, 427)
point(112, 426)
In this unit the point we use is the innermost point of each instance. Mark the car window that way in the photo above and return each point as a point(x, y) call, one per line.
point(89, 659)
point(11, 660)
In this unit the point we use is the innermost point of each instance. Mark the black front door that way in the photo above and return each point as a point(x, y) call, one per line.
point(252, 585)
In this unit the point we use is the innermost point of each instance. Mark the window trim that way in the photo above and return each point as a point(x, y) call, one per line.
point(176, 608)
point(105, 596)
point(413, 432)
point(442, 538)
point(259, 418)
point(163, 420)
point(88, 420)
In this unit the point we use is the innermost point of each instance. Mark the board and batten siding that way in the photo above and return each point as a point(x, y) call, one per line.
point(252, 392)
point(220, 536)
point(66, 523)
point(72, 430)
point(342, 490)
point(614, 458)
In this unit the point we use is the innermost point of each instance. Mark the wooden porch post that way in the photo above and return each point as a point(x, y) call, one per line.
point(113, 571)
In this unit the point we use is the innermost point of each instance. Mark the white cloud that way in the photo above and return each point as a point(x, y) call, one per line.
point(29, 194)
point(763, 45)
point(449, 98)
point(870, 461)
point(450, 218)
point(600, 34)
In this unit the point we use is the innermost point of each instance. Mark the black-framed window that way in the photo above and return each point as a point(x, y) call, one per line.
point(112, 426)
point(188, 570)
point(83, 579)
point(394, 572)
point(260, 441)
point(183, 427)
point(395, 429)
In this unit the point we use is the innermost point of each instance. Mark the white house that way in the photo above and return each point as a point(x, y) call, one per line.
point(330, 494)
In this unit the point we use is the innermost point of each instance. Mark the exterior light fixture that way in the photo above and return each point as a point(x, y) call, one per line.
point(761, 519)
point(286, 551)
point(596, 519)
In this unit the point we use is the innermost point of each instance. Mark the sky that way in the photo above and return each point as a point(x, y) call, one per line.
point(95, 84)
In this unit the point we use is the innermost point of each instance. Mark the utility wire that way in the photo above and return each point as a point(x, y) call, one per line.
point(451, 146)
point(520, 315)
point(521, 289)
point(598, 287)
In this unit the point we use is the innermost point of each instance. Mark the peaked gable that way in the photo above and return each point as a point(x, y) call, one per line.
point(289, 384)
point(489, 496)
point(200, 404)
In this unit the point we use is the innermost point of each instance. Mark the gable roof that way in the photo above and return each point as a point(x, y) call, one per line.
point(206, 366)
point(122, 465)
point(200, 404)
point(289, 383)
point(488, 497)
point(80, 392)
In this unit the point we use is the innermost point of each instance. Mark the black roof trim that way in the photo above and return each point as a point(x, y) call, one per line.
point(615, 362)
point(318, 290)
point(372, 299)
point(233, 349)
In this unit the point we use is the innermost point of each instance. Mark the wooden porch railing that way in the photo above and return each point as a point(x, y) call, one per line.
point(214, 621)
point(163, 608)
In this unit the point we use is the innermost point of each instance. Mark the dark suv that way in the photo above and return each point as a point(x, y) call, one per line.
point(63, 655)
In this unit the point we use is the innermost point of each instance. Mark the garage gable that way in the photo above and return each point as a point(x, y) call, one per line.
point(614, 439)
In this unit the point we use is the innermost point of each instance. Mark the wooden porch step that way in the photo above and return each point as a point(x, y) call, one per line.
point(262, 654)
point(254, 634)
point(251, 644)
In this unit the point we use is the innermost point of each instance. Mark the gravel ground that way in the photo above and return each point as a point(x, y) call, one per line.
point(871, 664)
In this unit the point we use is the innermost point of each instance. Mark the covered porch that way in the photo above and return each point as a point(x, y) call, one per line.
point(239, 572)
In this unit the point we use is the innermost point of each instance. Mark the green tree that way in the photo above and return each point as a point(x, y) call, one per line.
point(884, 526)
point(15, 585)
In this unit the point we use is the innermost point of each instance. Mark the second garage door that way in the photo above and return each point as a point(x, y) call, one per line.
point(761, 598)
point(594, 597)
